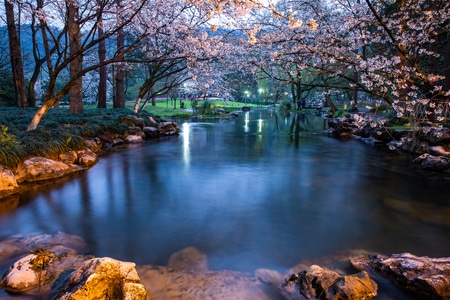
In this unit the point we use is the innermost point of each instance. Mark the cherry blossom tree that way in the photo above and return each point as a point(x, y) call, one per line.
point(90, 17)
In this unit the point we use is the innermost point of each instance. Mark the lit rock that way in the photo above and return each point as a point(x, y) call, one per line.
point(103, 278)
point(8, 183)
point(133, 139)
point(95, 144)
point(68, 157)
point(428, 278)
point(168, 128)
point(40, 168)
point(21, 277)
point(86, 158)
point(316, 282)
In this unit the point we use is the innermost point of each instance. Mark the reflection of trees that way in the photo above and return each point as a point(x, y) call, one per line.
point(299, 120)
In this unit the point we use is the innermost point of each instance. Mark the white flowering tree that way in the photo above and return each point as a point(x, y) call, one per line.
point(393, 50)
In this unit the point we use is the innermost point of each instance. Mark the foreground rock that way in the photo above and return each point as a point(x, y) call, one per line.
point(319, 283)
point(40, 268)
point(187, 277)
point(103, 278)
point(429, 278)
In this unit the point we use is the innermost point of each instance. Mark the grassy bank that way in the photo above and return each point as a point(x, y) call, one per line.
point(61, 131)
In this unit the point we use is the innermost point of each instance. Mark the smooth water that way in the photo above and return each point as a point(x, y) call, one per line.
point(260, 191)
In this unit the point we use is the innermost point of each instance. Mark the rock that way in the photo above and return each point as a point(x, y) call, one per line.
point(68, 157)
point(434, 135)
point(21, 277)
point(439, 151)
point(133, 139)
point(342, 128)
point(94, 144)
point(189, 258)
point(40, 268)
point(433, 163)
point(168, 128)
point(103, 278)
point(134, 130)
point(428, 278)
point(167, 283)
point(40, 168)
point(8, 182)
point(357, 286)
point(150, 132)
point(319, 283)
point(268, 276)
point(86, 158)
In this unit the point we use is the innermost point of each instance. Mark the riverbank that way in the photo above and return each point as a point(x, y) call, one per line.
point(73, 146)
point(49, 266)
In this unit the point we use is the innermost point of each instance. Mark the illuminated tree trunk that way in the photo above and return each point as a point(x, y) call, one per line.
point(76, 64)
point(16, 57)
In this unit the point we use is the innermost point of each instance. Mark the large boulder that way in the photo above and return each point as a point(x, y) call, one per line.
point(8, 182)
point(41, 168)
point(103, 278)
point(318, 283)
point(428, 278)
point(39, 269)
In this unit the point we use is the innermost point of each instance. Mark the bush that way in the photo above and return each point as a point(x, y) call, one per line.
point(285, 105)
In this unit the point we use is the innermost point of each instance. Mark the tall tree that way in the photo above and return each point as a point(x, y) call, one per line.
point(119, 96)
point(15, 54)
point(63, 56)
point(76, 63)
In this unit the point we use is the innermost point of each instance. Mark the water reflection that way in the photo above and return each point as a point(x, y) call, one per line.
point(263, 190)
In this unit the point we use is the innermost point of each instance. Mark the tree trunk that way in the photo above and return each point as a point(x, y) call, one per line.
point(76, 91)
point(16, 57)
point(120, 74)
point(101, 98)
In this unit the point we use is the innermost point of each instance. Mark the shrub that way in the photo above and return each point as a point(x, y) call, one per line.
point(285, 105)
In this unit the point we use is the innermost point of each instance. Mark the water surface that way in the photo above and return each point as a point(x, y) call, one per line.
point(260, 191)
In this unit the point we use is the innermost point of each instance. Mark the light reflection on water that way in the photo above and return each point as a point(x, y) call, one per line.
point(248, 194)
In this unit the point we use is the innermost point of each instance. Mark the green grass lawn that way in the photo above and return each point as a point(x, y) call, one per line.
point(167, 108)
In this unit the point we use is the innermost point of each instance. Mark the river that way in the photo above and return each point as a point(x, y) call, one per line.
point(258, 191)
